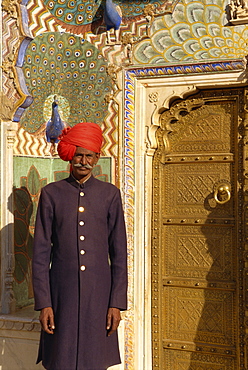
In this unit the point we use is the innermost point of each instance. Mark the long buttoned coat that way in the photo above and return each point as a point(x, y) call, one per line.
point(80, 270)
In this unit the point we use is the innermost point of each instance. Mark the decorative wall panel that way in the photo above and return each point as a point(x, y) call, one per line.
point(208, 131)
point(196, 30)
point(186, 361)
point(205, 317)
point(193, 186)
point(193, 253)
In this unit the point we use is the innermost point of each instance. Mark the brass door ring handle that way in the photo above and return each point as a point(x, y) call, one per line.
point(222, 192)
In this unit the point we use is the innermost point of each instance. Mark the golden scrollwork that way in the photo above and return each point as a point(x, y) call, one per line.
point(238, 10)
point(8, 68)
point(112, 71)
point(11, 8)
point(174, 114)
point(127, 40)
point(6, 107)
point(108, 98)
point(149, 16)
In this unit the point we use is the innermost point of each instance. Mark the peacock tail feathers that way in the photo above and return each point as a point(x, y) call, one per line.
point(70, 68)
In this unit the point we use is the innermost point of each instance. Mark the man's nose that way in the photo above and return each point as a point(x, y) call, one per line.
point(84, 159)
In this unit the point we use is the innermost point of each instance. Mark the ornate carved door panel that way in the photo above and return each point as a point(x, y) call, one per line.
point(197, 301)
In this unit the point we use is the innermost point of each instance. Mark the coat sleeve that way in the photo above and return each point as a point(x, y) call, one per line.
point(118, 254)
point(42, 252)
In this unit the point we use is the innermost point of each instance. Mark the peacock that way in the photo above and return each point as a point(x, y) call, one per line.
point(54, 126)
point(112, 19)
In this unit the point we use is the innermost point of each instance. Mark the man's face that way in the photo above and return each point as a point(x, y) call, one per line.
point(83, 163)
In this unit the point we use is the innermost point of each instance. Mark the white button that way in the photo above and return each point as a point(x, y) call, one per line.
point(82, 251)
point(81, 193)
point(81, 223)
point(81, 209)
point(82, 268)
point(82, 237)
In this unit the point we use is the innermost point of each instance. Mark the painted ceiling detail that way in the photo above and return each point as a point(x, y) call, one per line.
point(196, 30)
point(72, 69)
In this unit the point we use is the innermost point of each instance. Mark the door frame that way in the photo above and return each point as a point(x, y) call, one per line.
point(148, 92)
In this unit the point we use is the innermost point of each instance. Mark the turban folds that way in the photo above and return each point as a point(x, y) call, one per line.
point(87, 135)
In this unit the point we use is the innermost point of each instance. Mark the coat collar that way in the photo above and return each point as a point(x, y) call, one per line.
point(71, 180)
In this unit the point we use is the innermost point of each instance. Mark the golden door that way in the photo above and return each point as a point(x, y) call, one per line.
point(198, 246)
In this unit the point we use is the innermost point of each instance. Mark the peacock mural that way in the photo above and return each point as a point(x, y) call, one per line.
point(71, 68)
point(78, 17)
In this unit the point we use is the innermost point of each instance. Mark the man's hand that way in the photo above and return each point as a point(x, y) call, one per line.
point(47, 320)
point(113, 320)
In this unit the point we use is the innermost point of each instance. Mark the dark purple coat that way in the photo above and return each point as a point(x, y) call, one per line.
point(80, 296)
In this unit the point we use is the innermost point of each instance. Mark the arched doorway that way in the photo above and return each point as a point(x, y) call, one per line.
point(198, 239)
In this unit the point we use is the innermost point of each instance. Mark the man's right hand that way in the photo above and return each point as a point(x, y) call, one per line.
point(47, 320)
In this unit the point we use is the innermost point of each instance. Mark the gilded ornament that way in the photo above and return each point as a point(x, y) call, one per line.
point(112, 71)
point(7, 68)
point(238, 10)
point(8, 65)
point(128, 40)
point(10, 7)
point(6, 107)
point(149, 16)
point(174, 115)
point(108, 98)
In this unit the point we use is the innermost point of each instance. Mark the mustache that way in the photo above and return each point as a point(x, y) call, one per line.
point(79, 165)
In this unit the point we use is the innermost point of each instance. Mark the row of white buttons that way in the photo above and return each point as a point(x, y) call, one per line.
point(81, 223)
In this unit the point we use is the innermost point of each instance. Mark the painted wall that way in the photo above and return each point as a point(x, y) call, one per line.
point(57, 48)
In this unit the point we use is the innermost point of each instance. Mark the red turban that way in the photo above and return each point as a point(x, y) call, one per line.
point(87, 135)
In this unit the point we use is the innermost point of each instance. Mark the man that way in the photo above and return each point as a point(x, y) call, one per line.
point(80, 261)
